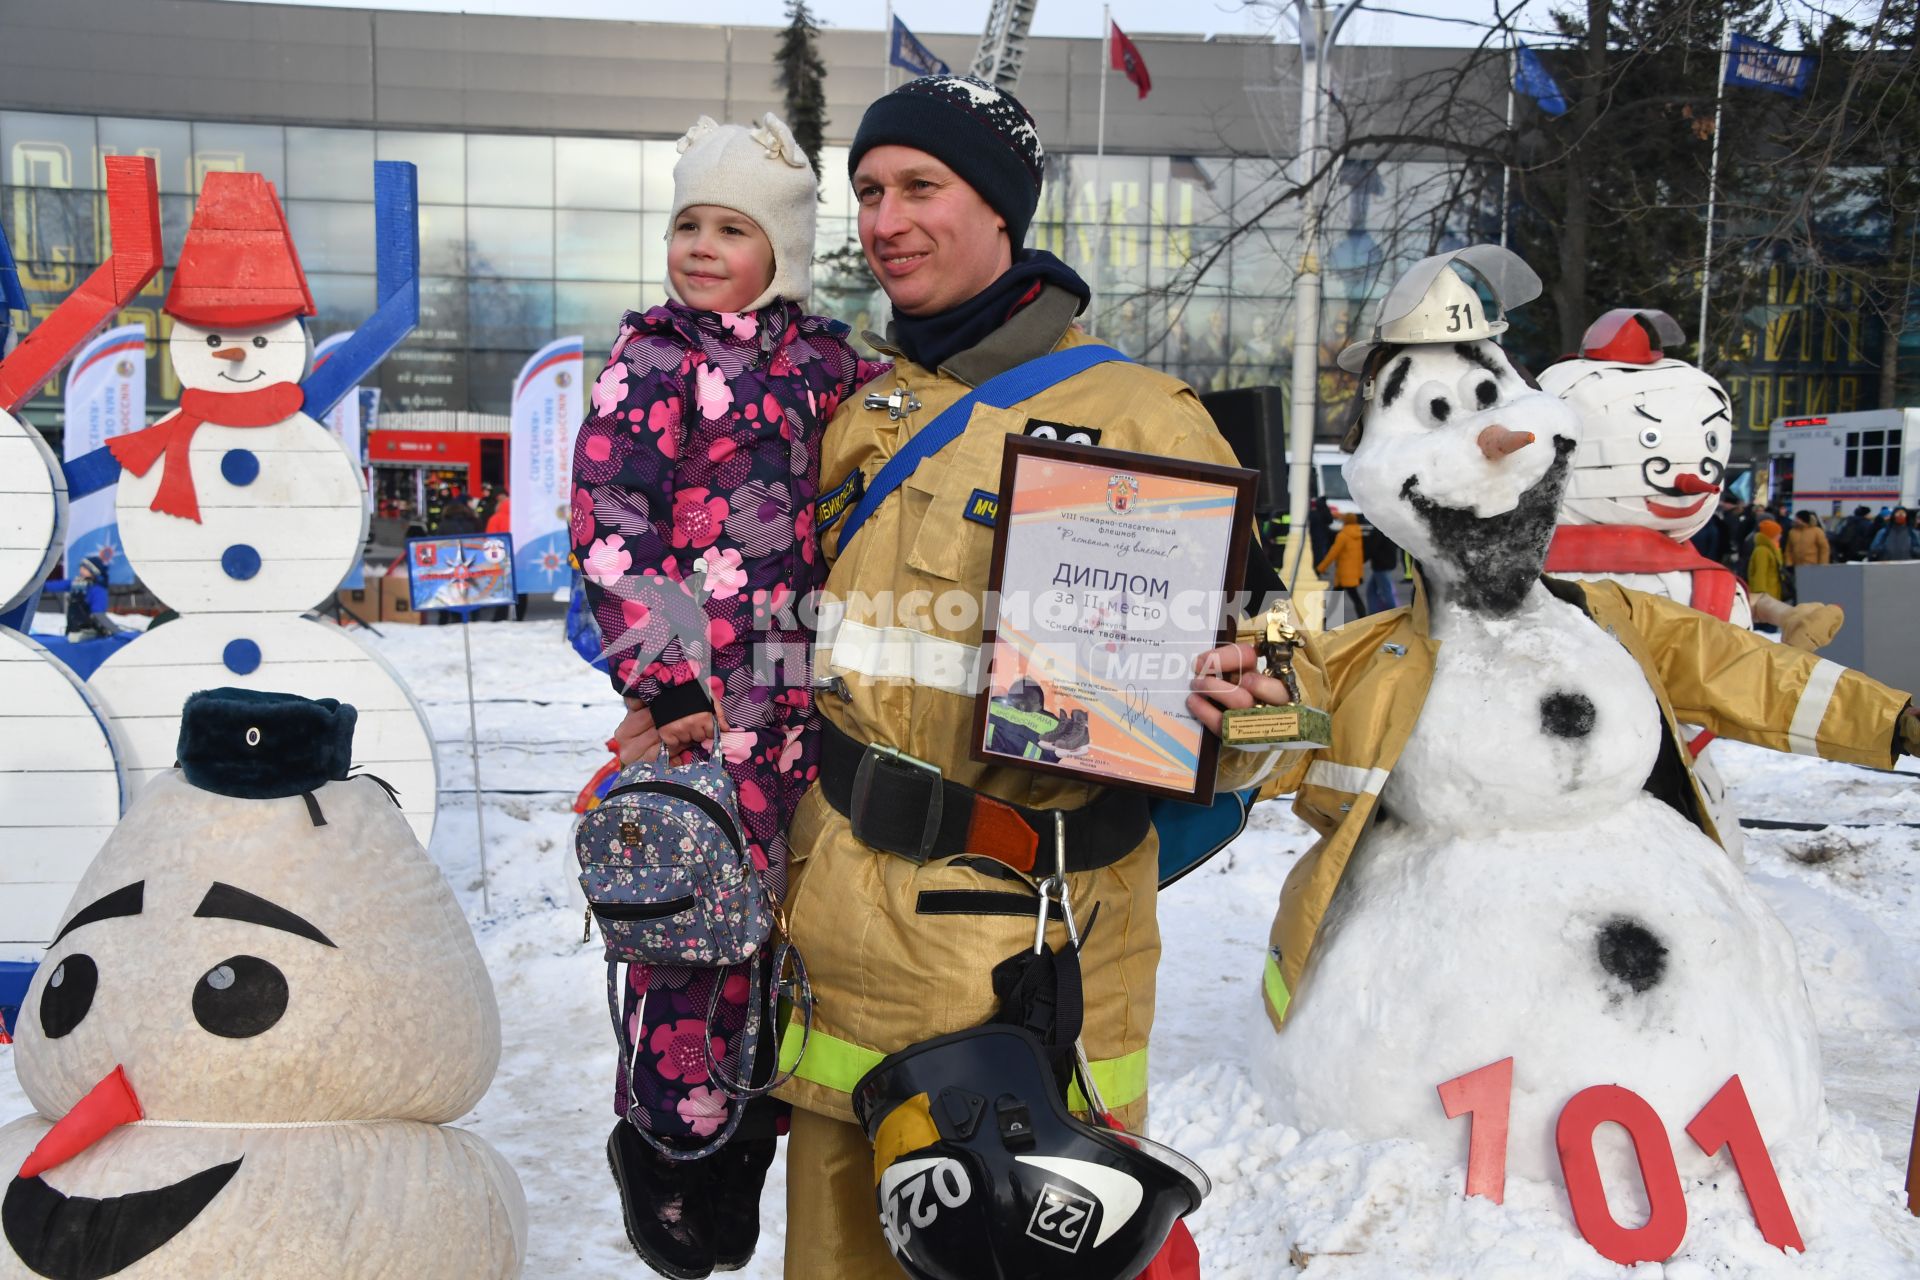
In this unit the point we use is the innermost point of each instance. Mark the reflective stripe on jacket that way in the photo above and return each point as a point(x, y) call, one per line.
point(899, 953)
point(1373, 676)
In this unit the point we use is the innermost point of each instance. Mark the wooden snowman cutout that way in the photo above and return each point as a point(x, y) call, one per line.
point(61, 783)
point(240, 510)
point(1518, 891)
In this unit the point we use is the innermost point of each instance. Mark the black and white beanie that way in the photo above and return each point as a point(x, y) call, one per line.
point(980, 132)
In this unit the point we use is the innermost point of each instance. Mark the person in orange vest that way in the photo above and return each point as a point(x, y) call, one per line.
point(1348, 557)
point(501, 521)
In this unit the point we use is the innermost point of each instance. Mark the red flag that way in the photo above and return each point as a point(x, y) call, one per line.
point(1127, 58)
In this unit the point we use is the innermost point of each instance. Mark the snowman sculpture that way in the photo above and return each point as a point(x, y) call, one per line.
point(61, 783)
point(245, 1046)
point(241, 511)
point(1655, 436)
point(1515, 858)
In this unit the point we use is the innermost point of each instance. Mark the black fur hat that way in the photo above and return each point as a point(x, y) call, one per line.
point(256, 745)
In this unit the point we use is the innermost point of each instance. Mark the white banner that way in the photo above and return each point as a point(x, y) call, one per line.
point(344, 420)
point(548, 399)
point(106, 397)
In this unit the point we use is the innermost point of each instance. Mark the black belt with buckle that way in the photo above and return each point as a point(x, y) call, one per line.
point(903, 806)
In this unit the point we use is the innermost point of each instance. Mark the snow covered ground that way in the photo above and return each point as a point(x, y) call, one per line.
point(1283, 1204)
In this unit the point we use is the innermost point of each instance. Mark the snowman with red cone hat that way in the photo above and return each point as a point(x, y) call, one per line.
point(241, 511)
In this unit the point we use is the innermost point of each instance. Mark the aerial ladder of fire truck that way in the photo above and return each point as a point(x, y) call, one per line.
point(1004, 43)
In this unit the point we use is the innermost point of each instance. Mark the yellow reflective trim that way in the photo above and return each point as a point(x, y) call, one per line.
point(831, 1062)
point(1121, 1081)
point(837, 1064)
point(1278, 997)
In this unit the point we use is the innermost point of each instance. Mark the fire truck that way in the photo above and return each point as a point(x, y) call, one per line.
point(1838, 461)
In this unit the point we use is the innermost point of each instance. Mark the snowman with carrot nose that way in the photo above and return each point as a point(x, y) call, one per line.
point(1515, 857)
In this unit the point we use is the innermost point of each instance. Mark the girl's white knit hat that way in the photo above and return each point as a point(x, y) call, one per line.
point(763, 173)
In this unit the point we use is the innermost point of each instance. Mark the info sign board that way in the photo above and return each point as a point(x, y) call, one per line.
point(460, 574)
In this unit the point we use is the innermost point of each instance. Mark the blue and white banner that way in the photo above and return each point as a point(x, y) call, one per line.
point(106, 397)
point(909, 53)
point(346, 423)
point(548, 399)
point(1755, 64)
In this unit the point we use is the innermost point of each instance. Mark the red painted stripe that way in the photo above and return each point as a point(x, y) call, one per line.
point(559, 357)
point(130, 344)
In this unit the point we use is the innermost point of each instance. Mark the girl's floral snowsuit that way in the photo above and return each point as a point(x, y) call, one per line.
point(702, 443)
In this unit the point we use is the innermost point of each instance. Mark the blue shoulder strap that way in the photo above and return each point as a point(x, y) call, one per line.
point(1022, 382)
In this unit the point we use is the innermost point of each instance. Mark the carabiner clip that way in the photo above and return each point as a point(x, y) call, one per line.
point(1049, 887)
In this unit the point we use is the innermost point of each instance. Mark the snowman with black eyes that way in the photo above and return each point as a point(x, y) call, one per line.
point(240, 511)
point(246, 1044)
point(1516, 859)
point(1655, 436)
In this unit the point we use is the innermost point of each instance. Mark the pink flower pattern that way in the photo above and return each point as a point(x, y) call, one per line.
point(680, 1050)
point(711, 451)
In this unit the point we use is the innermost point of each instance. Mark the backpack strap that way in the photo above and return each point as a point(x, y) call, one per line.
point(1003, 391)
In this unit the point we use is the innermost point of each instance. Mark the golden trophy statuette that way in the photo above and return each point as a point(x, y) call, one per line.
point(1293, 727)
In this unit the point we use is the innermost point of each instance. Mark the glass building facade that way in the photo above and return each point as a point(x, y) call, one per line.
point(526, 237)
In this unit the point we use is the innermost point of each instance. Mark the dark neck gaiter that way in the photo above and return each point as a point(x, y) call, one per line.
point(930, 341)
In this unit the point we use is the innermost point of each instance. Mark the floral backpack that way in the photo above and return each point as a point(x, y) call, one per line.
point(670, 881)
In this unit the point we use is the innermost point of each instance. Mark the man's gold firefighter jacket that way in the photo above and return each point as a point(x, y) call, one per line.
point(899, 952)
point(1373, 675)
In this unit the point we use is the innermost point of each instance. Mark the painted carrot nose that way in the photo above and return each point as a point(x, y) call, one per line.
point(110, 1104)
point(1497, 442)
point(1695, 484)
point(230, 353)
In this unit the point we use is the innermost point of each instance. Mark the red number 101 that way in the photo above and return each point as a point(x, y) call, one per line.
point(1726, 1121)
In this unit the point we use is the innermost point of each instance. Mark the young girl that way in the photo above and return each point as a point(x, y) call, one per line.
point(696, 470)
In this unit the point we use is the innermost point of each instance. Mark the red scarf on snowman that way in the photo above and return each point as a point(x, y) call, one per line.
point(1623, 548)
point(170, 438)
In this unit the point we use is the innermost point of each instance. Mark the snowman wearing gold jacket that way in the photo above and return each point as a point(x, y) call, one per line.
point(1656, 434)
point(1515, 857)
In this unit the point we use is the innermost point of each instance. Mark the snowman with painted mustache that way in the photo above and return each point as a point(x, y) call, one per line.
point(1516, 859)
point(246, 1043)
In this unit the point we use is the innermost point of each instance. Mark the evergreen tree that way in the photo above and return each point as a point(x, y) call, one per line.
point(803, 79)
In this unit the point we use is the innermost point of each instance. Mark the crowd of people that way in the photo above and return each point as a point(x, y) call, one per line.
point(1765, 545)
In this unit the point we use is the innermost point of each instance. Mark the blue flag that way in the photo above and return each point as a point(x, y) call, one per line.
point(1756, 64)
point(908, 52)
point(1530, 77)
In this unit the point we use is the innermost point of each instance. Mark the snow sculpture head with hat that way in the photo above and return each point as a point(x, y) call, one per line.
point(1457, 456)
point(1655, 432)
point(259, 1013)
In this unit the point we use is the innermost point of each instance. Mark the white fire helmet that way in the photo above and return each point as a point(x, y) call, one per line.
point(1655, 432)
point(1437, 301)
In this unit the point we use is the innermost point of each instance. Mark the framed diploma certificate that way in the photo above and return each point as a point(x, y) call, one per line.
point(1111, 574)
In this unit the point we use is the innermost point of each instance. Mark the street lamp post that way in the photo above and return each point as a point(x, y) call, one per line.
point(1317, 37)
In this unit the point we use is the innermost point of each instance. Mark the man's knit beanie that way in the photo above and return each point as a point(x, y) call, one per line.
point(980, 132)
point(763, 173)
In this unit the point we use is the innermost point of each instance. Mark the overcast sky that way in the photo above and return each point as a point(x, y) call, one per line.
point(1372, 25)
